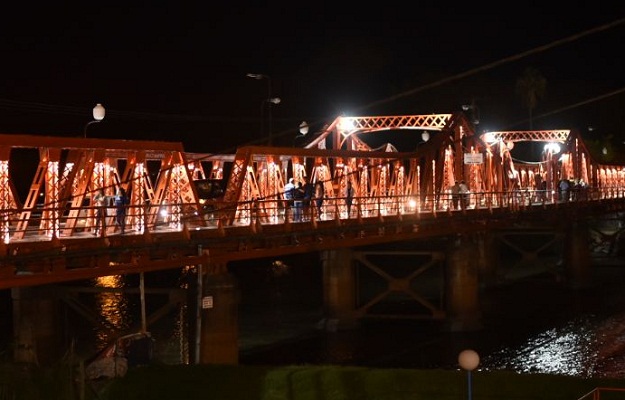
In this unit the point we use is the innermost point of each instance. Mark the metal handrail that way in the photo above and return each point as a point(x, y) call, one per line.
point(595, 394)
point(275, 211)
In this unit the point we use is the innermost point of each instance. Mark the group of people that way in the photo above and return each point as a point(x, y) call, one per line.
point(300, 196)
point(571, 190)
point(120, 202)
point(460, 195)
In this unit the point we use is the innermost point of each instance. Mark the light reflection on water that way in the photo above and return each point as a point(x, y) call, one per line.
point(567, 350)
point(120, 314)
point(112, 308)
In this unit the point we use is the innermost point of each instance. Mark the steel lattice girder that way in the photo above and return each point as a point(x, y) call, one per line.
point(528, 136)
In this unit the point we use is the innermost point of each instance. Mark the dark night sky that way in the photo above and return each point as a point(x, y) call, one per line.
point(169, 71)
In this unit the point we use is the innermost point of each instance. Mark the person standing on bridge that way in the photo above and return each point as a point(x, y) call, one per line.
point(455, 195)
point(121, 201)
point(99, 202)
point(349, 198)
point(319, 195)
point(298, 202)
point(464, 195)
point(289, 194)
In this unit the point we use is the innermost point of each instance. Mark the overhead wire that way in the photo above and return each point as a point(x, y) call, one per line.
point(498, 63)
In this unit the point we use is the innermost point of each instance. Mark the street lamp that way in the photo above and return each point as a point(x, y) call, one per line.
point(303, 131)
point(475, 112)
point(269, 100)
point(303, 128)
point(98, 116)
point(468, 360)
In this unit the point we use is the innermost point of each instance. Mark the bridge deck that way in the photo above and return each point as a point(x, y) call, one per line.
point(33, 260)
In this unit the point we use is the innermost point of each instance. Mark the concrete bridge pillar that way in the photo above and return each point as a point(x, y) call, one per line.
point(577, 253)
point(219, 337)
point(36, 326)
point(462, 285)
point(339, 286)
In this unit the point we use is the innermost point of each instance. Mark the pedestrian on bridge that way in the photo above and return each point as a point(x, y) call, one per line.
point(289, 194)
point(455, 195)
point(319, 195)
point(99, 201)
point(564, 185)
point(349, 198)
point(464, 194)
point(308, 195)
point(298, 202)
point(121, 202)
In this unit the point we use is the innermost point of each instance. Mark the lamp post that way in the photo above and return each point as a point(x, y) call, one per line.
point(98, 116)
point(269, 100)
point(468, 360)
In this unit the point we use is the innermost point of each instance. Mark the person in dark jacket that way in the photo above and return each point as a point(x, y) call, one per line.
point(121, 203)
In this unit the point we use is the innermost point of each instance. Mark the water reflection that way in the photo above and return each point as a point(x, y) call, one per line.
point(587, 347)
point(535, 326)
point(566, 350)
point(112, 307)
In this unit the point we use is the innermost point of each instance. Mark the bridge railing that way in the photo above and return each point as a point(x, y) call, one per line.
point(271, 211)
point(44, 224)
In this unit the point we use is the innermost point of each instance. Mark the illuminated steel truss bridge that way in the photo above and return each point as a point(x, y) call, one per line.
point(48, 220)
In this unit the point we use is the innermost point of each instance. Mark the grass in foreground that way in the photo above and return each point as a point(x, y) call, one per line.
point(320, 383)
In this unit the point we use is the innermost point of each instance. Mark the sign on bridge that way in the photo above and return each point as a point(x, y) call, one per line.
point(473, 158)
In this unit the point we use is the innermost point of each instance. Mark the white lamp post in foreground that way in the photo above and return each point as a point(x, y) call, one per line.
point(98, 115)
point(468, 360)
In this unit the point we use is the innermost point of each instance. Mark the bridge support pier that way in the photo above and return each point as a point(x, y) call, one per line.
point(462, 285)
point(219, 342)
point(36, 326)
point(578, 255)
point(339, 285)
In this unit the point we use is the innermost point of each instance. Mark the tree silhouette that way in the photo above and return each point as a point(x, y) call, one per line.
point(531, 86)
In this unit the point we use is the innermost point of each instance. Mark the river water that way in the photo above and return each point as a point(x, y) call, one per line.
point(534, 324)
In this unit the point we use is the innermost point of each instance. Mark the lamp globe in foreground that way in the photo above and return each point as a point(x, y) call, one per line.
point(468, 359)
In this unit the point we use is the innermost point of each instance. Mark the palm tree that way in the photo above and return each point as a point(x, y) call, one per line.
point(531, 86)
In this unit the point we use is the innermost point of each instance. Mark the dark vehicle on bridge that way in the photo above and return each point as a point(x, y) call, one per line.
point(210, 190)
point(210, 193)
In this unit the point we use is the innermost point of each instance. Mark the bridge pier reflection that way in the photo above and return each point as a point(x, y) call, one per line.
point(219, 319)
point(36, 326)
point(577, 253)
point(488, 258)
point(462, 284)
point(339, 289)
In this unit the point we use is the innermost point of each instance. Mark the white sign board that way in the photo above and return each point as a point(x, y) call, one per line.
point(207, 302)
point(473, 158)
